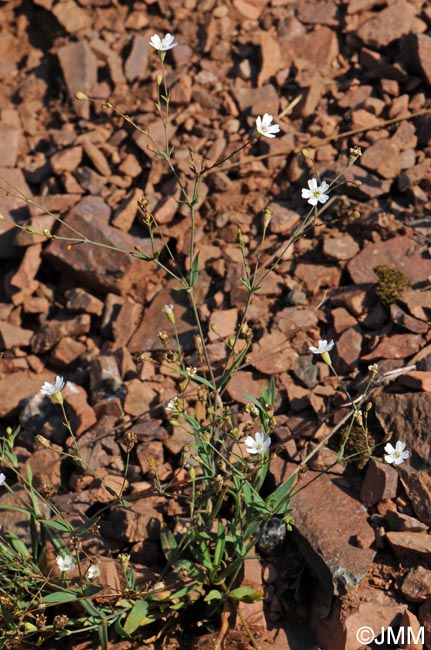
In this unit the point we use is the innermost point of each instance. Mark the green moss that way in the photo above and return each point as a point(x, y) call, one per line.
point(357, 443)
point(391, 284)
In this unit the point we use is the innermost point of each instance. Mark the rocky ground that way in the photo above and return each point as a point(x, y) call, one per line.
point(337, 74)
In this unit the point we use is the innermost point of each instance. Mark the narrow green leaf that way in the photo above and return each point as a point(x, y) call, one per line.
point(278, 501)
point(59, 597)
point(220, 545)
point(168, 541)
point(246, 594)
point(102, 631)
point(136, 616)
point(120, 629)
point(18, 545)
point(61, 526)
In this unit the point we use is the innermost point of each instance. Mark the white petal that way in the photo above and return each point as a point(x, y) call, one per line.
point(389, 448)
point(323, 198)
point(400, 445)
point(389, 459)
point(312, 184)
point(324, 186)
point(306, 194)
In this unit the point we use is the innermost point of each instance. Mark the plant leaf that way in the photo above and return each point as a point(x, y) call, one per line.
point(59, 597)
point(136, 616)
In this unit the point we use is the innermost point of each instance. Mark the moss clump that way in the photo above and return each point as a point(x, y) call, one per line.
point(359, 444)
point(391, 284)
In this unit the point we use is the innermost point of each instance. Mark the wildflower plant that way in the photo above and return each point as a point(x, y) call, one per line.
point(224, 468)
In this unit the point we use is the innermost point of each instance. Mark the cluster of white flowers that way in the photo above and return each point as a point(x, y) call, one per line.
point(264, 127)
point(66, 564)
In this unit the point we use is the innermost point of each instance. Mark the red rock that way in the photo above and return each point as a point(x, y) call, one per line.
point(419, 49)
point(250, 8)
point(371, 186)
point(22, 284)
point(80, 413)
point(408, 543)
point(381, 482)
point(388, 25)
point(325, 541)
point(222, 324)
point(424, 617)
point(12, 336)
point(103, 51)
point(398, 346)
point(320, 13)
point(417, 485)
point(273, 59)
point(417, 380)
point(17, 386)
point(126, 322)
point(146, 336)
point(407, 322)
point(67, 352)
point(418, 303)
point(316, 276)
point(401, 253)
point(50, 333)
point(340, 248)
point(90, 264)
point(136, 66)
point(293, 319)
point(139, 397)
point(80, 300)
point(12, 208)
point(342, 320)
point(258, 100)
point(245, 383)
point(96, 156)
point(361, 607)
point(126, 213)
point(314, 52)
point(400, 522)
point(9, 143)
point(71, 16)
point(66, 160)
point(412, 631)
point(383, 157)
point(105, 378)
point(273, 354)
point(417, 584)
point(79, 66)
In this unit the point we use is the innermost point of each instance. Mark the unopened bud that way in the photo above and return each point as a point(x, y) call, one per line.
point(267, 216)
point(80, 96)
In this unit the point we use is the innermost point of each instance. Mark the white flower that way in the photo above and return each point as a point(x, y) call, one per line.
point(168, 309)
point(163, 44)
point(322, 347)
point(53, 389)
point(258, 444)
point(172, 405)
point(316, 192)
point(2, 479)
point(264, 126)
point(190, 371)
point(93, 572)
point(397, 454)
point(65, 563)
